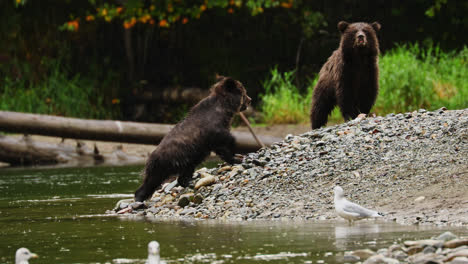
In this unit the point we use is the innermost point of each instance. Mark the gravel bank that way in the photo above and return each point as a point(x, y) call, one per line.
point(413, 167)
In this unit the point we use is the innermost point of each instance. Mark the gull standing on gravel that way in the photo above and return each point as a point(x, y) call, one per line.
point(23, 255)
point(349, 210)
point(153, 253)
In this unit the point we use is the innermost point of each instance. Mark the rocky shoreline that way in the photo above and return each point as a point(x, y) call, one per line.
point(413, 167)
point(446, 248)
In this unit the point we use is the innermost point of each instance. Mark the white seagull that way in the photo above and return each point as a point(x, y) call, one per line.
point(23, 255)
point(351, 211)
point(153, 253)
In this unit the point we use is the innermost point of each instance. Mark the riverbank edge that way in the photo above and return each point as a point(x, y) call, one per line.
point(440, 199)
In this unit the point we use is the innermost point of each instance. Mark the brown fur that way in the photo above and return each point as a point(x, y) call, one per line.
point(350, 76)
point(206, 128)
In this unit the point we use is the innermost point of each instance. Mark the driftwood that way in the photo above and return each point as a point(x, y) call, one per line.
point(25, 151)
point(106, 130)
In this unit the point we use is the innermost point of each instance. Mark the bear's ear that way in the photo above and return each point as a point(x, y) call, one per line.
point(342, 26)
point(218, 77)
point(230, 85)
point(376, 26)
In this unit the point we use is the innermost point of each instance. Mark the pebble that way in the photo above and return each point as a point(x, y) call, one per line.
point(446, 236)
point(363, 253)
point(459, 260)
point(206, 180)
point(380, 259)
point(185, 199)
point(456, 243)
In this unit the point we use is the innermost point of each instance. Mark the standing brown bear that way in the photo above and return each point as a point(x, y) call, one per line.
point(350, 77)
point(205, 129)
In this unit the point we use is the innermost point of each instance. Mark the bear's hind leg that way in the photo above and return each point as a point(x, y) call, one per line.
point(322, 105)
point(147, 189)
point(154, 177)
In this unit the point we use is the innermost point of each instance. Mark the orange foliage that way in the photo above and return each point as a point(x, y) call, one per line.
point(163, 23)
point(73, 25)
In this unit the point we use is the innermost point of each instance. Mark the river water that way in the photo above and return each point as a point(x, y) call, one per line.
point(59, 214)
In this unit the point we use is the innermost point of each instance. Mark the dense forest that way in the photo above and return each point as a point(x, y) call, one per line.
point(110, 59)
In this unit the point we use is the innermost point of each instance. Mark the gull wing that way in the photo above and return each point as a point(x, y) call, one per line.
point(352, 208)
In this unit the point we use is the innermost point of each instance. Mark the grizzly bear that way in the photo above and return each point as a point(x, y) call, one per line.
point(350, 77)
point(205, 129)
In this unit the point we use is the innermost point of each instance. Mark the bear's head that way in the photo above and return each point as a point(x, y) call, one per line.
point(359, 37)
point(232, 92)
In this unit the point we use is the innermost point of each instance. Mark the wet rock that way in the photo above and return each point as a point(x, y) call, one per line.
point(383, 251)
point(429, 249)
point(456, 243)
point(446, 236)
point(459, 260)
point(122, 204)
point(414, 249)
point(399, 254)
point(459, 253)
point(350, 258)
point(423, 243)
point(185, 199)
point(363, 254)
point(421, 258)
point(380, 259)
point(395, 248)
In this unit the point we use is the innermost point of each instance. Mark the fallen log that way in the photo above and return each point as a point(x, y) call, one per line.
point(25, 151)
point(106, 130)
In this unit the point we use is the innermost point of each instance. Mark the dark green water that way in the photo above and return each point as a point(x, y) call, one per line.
point(58, 214)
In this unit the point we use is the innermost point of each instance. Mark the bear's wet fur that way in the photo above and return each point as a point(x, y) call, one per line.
point(206, 128)
point(350, 77)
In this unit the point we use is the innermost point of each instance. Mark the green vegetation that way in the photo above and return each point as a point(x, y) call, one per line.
point(57, 92)
point(411, 77)
point(282, 101)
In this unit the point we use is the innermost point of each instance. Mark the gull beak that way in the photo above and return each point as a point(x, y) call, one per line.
point(33, 255)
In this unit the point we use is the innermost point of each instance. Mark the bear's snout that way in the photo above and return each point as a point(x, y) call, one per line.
point(245, 103)
point(361, 40)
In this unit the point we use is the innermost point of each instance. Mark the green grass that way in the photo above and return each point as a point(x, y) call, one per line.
point(55, 93)
point(411, 78)
point(282, 102)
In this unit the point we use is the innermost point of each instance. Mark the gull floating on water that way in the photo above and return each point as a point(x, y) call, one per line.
point(23, 255)
point(153, 253)
point(349, 210)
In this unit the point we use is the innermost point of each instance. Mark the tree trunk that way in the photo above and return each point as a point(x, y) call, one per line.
point(106, 130)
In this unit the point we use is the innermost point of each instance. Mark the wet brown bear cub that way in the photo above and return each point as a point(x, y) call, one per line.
point(205, 129)
point(350, 77)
